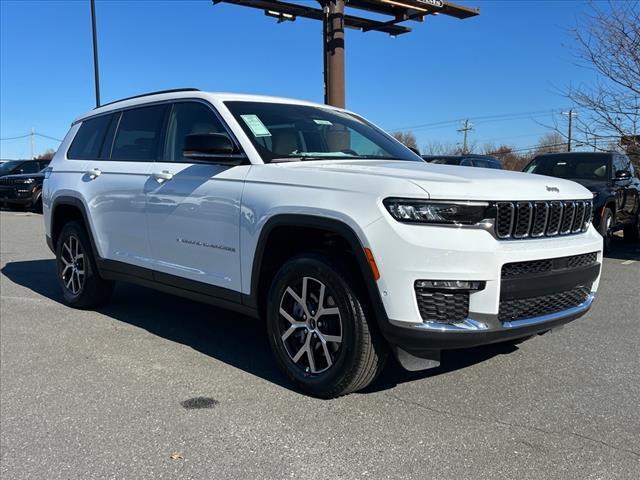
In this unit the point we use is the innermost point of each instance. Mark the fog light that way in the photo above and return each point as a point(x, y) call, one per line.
point(450, 284)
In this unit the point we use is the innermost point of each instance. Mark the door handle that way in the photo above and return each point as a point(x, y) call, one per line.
point(163, 176)
point(94, 173)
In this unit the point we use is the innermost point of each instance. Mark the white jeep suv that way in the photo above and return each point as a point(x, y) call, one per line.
point(345, 241)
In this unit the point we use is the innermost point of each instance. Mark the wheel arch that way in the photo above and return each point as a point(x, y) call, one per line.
point(336, 227)
point(65, 209)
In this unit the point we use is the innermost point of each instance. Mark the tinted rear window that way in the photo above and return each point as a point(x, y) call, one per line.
point(88, 141)
point(139, 134)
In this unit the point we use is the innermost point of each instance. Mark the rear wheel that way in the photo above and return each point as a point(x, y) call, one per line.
point(319, 331)
point(82, 286)
point(605, 228)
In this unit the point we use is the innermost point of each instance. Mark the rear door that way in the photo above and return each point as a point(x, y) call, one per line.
point(115, 184)
point(193, 209)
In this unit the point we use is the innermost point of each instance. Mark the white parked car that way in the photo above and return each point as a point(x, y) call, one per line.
point(348, 244)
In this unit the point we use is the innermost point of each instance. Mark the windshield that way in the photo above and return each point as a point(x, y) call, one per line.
point(592, 167)
point(9, 166)
point(286, 132)
point(446, 161)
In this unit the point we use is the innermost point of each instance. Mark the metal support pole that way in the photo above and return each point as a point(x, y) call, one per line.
point(570, 128)
point(96, 70)
point(333, 31)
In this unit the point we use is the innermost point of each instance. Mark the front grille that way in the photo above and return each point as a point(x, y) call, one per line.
point(523, 308)
point(532, 267)
point(536, 219)
point(582, 260)
point(442, 306)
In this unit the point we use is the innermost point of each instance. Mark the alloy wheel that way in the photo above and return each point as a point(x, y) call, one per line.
point(73, 265)
point(310, 325)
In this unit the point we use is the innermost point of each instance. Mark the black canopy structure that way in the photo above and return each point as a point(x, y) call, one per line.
point(332, 14)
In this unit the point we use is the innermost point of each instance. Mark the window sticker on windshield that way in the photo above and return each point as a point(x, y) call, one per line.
point(322, 122)
point(256, 126)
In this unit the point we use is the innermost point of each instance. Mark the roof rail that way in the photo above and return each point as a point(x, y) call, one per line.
point(173, 90)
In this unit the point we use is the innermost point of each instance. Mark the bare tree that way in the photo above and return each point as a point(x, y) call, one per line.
point(408, 138)
point(608, 42)
point(47, 155)
point(551, 142)
point(435, 147)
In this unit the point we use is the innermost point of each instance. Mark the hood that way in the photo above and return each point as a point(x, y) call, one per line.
point(455, 182)
point(593, 185)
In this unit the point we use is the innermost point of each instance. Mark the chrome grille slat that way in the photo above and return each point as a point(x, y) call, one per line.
point(578, 218)
point(541, 217)
point(535, 219)
point(567, 217)
point(587, 216)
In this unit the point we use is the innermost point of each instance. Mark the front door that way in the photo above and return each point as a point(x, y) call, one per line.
point(193, 209)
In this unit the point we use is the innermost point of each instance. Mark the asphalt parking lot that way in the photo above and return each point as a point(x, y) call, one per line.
point(154, 386)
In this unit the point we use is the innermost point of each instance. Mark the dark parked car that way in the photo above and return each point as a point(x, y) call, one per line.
point(22, 190)
point(13, 167)
point(483, 161)
point(611, 178)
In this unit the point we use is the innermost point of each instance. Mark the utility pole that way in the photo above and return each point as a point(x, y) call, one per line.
point(33, 143)
point(570, 114)
point(466, 128)
point(333, 24)
point(96, 72)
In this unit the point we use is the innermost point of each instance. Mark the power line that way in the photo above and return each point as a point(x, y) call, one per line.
point(14, 138)
point(480, 119)
point(30, 134)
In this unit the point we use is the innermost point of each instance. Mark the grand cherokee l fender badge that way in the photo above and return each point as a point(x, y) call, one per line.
point(205, 244)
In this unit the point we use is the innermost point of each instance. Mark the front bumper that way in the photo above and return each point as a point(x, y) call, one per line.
point(15, 196)
point(409, 253)
point(421, 340)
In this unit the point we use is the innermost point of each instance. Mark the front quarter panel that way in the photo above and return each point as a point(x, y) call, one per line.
point(277, 189)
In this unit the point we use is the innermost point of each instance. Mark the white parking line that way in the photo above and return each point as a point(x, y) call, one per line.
point(628, 262)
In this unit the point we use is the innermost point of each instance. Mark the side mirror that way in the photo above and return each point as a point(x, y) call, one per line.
point(623, 175)
point(212, 147)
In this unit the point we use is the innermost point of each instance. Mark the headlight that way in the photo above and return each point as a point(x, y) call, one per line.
point(27, 181)
point(439, 212)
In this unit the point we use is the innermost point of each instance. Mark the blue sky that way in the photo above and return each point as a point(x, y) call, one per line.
point(515, 57)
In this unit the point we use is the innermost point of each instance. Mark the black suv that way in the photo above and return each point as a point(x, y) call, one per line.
point(470, 160)
point(611, 178)
point(21, 183)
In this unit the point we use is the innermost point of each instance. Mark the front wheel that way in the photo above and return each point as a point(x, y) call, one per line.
point(319, 331)
point(605, 229)
point(82, 286)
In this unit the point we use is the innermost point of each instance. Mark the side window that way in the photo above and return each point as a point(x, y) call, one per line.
point(480, 163)
point(626, 163)
point(188, 118)
point(618, 164)
point(88, 141)
point(465, 162)
point(139, 134)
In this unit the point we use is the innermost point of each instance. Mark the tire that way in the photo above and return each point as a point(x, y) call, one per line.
point(330, 354)
point(82, 287)
point(37, 206)
point(604, 228)
point(632, 232)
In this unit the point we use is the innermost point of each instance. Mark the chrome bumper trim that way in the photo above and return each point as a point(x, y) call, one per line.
point(471, 325)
